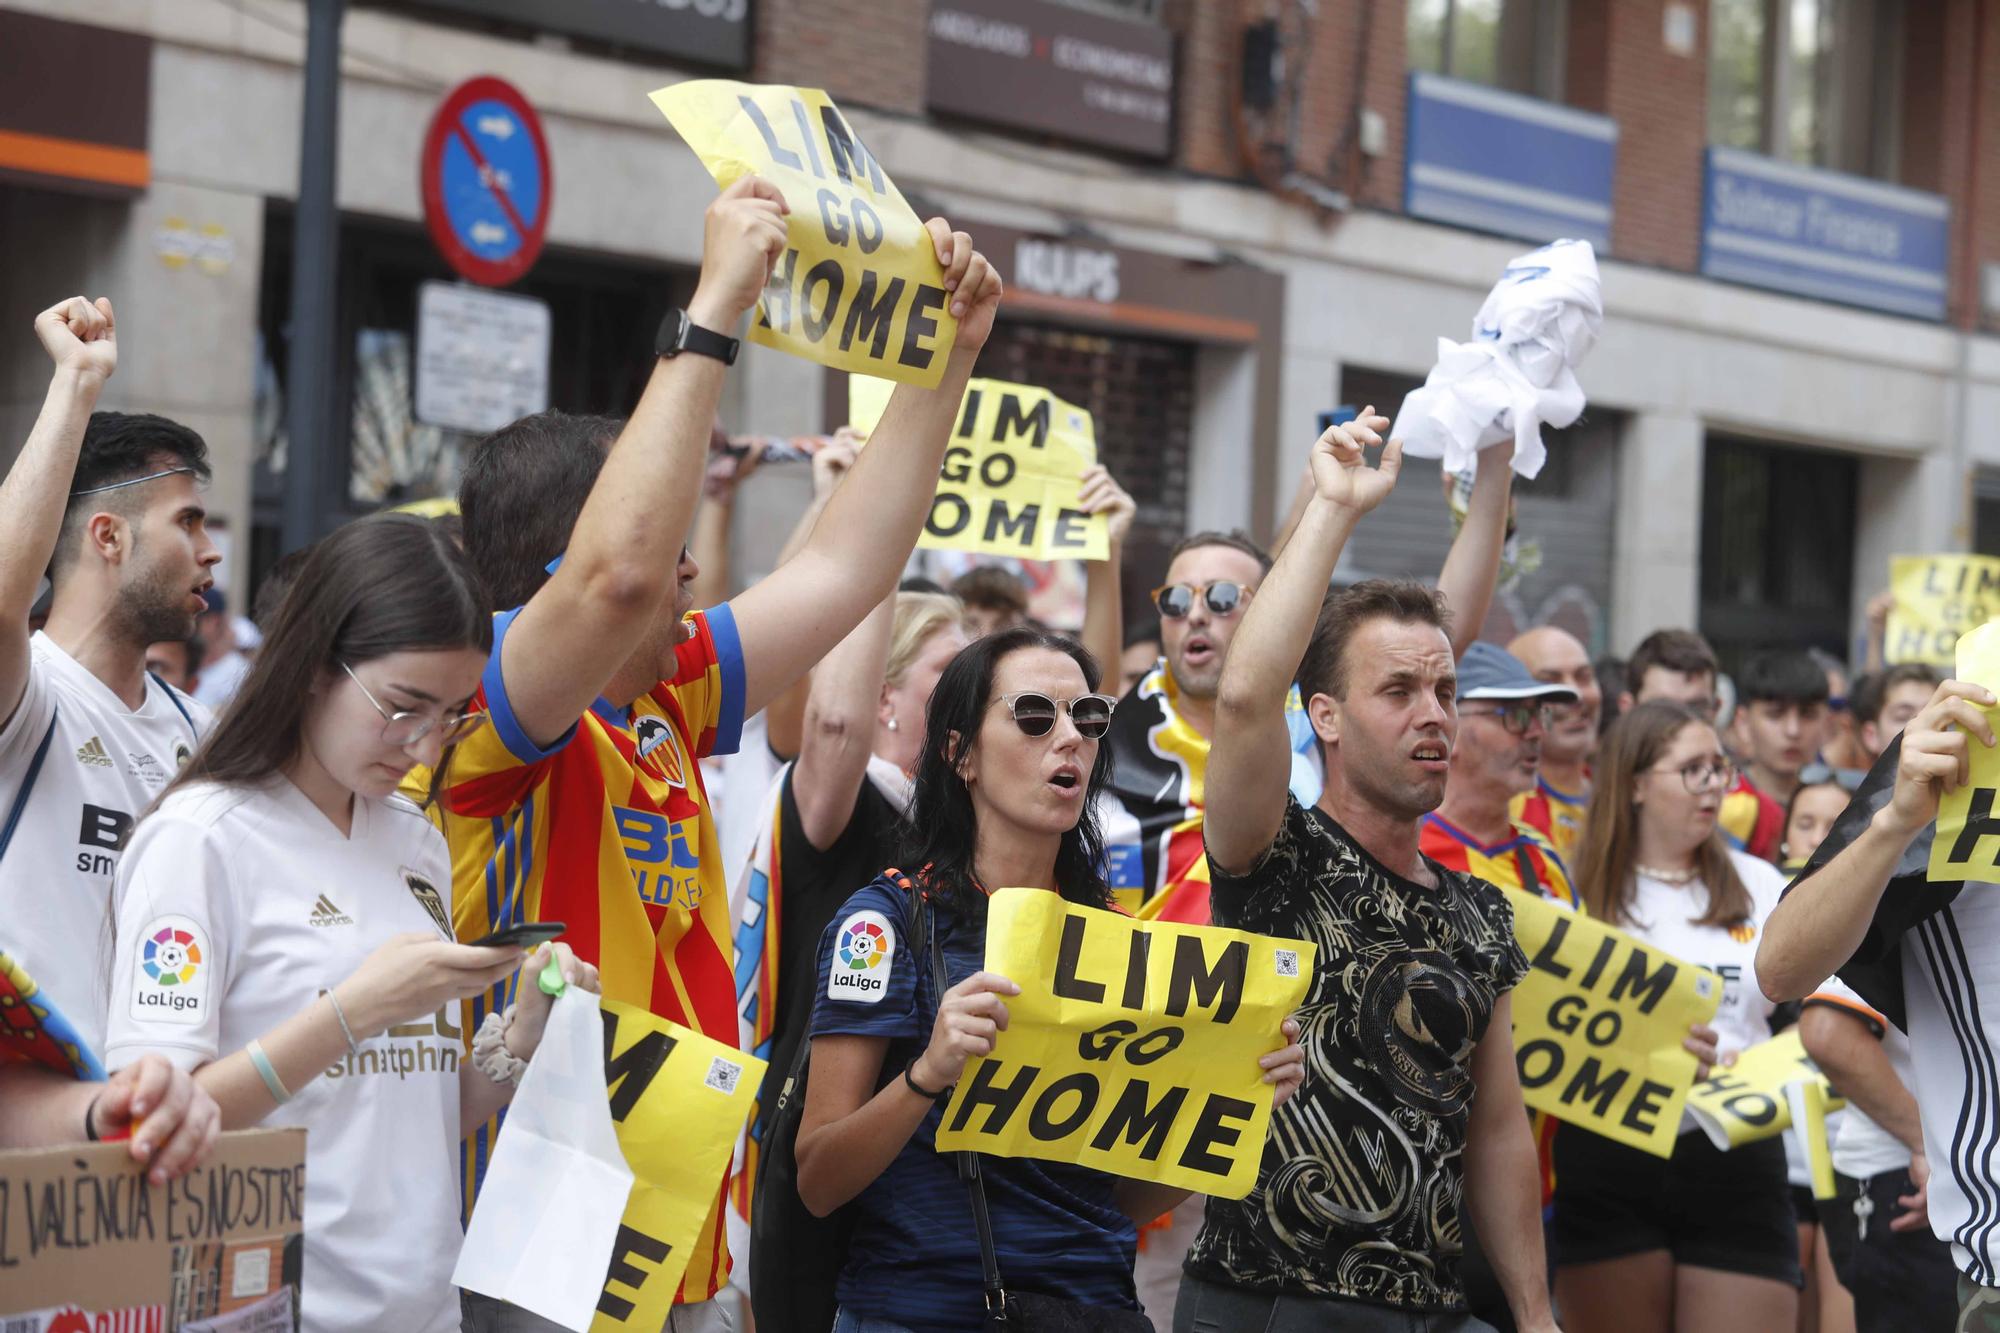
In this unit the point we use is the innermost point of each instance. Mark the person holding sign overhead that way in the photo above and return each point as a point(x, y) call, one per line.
point(583, 801)
point(1011, 760)
point(1901, 900)
point(1705, 1240)
point(1414, 1100)
point(282, 929)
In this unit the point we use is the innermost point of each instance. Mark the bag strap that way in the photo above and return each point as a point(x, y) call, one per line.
point(27, 785)
point(179, 707)
point(968, 1162)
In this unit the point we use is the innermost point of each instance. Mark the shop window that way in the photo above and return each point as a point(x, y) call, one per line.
point(1815, 82)
point(1511, 44)
point(1777, 547)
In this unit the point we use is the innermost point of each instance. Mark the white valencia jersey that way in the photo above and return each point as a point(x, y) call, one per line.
point(236, 908)
point(1664, 915)
point(88, 766)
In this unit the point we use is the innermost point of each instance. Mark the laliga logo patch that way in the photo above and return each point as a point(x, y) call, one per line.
point(173, 972)
point(863, 949)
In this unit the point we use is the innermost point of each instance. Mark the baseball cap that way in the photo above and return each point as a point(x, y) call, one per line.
point(1490, 672)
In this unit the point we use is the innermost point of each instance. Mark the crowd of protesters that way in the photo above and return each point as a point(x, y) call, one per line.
point(549, 710)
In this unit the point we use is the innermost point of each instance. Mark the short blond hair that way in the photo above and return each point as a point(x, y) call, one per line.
point(919, 615)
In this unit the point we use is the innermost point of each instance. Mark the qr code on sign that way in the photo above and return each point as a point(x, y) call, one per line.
point(722, 1075)
point(1288, 962)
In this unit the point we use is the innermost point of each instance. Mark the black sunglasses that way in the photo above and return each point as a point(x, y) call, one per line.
point(1035, 713)
point(1177, 599)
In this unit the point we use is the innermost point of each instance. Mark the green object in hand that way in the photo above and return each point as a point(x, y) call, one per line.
point(551, 981)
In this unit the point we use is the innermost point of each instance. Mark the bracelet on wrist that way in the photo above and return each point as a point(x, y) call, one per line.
point(919, 1089)
point(90, 1119)
point(490, 1055)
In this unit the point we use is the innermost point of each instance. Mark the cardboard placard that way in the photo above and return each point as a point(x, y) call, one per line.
point(88, 1243)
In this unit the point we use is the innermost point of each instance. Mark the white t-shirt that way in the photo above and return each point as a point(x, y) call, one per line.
point(1663, 915)
point(102, 766)
point(738, 785)
point(236, 908)
point(1863, 1148)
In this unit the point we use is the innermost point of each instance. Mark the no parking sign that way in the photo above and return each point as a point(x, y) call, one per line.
point(487, 182)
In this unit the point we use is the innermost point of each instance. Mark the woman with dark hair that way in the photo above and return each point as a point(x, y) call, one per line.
point(282, 929)
point(1703, 1242)
point(1005, 784)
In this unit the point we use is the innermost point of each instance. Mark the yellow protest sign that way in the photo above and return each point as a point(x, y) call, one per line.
point(1809, 1103)
point(1011, 472)
point(1938, 598)
point(677, 1101)
point(1132, 1047)
point(1967, 842)
point(1598, 1024)
point(1751, 1100)
point(859, 286)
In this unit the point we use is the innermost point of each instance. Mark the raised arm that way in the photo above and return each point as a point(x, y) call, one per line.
point(591, 615)
point(1820, 924)
point(709, 542)
point(80, 337)
point(840, 727)
point(1104, 589)
point(1503, 1187)
point(1247, 775)
point(1472, 566)
point(785, 716)
point(857, 550)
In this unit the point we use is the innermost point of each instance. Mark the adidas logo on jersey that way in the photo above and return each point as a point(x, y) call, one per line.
point(324, 913)
point(92, 751)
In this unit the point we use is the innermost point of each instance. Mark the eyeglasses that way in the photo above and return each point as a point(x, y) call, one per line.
point(1517, 718)
point(407, 728)
point(1035, 713)
point(1223, 597)
point(1700, 775)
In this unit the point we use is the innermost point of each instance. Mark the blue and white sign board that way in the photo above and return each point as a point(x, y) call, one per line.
point(1824, 234)
point(1497, 161)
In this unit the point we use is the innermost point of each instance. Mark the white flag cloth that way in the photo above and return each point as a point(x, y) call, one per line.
point(547, 1217)
point(1518, 371)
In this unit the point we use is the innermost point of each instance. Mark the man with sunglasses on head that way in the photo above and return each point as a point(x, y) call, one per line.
point(109, 505)
point(1503, 718)
point(1411, 1122)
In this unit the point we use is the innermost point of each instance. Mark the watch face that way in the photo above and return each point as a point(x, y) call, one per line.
point(673, 334)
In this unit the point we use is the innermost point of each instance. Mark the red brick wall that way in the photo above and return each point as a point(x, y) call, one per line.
point(864, 52)
point(1619, 65)
point(1987, 204)
point(1951, 113)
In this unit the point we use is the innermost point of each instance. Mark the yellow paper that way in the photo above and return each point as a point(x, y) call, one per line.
point(859, 286)
point(1967, 842)
point(1599, 1022)
point(1011, 473)
point(1808, 1102)
point(678, 1100)
point(1132, 1047)
point(1750, 1100)
point(1938, 598)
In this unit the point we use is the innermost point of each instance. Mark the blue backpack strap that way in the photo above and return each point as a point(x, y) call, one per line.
point(179, 707)
point(27, 785)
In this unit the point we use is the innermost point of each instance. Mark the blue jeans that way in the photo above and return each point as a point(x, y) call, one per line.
point(849, 1322)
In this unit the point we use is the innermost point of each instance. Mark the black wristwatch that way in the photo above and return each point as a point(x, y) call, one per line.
point(680, 334)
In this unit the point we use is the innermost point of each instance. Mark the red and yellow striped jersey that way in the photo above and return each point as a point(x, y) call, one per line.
point(1554, 813)
point(1752, 821)
point(1525, 861)
point(609, 831)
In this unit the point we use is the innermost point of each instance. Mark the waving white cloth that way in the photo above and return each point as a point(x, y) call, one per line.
point(1518, 371)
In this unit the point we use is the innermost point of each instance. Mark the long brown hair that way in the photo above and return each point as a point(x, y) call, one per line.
point(384, 584)
point(1605, 878)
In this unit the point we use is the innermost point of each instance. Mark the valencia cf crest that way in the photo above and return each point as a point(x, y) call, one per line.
point(657, 738)
point(433, 902)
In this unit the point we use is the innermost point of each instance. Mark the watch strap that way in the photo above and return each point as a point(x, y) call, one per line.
point(680, 334)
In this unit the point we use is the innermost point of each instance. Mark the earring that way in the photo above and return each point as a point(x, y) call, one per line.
point(894, 725)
